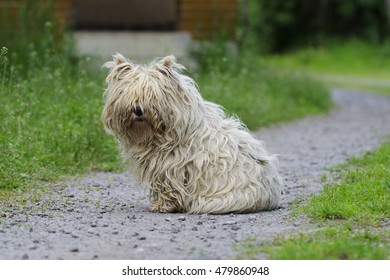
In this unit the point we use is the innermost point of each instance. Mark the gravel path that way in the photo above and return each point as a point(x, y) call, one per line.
point(104, 216)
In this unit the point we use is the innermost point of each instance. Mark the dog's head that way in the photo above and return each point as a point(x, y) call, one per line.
point(148, 103)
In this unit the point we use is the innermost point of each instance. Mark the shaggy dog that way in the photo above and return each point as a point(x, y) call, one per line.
point(193, 158)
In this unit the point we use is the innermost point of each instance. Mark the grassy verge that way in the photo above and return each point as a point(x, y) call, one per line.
point(352, 213)
point(50, 124)
point(260, 96)
point(331, 243)
point(353, 64)
point(363, 195)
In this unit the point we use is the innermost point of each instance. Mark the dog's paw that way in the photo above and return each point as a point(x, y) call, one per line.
point(166, 207)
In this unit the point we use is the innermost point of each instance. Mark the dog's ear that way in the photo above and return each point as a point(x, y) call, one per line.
point(117, 59)
point(119, 66)
point(168, 61)
point(167, 64)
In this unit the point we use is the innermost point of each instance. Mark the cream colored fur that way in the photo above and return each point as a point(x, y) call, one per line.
point(193, 157)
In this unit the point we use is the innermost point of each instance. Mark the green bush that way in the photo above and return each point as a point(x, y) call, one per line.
point(282, 25)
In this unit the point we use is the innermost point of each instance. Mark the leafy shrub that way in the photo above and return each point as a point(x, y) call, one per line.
point(278, 26)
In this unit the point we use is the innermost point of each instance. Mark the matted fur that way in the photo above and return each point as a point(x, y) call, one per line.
point(193, 157)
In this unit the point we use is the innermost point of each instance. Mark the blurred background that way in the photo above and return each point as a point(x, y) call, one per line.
point(141, 29)
point(144, 28)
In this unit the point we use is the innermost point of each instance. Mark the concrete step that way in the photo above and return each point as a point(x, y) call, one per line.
point(138, 46)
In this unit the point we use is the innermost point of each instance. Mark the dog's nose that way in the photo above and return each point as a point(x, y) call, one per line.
point(137, 111)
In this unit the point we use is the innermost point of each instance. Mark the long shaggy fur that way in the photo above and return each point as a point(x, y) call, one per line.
point(193, 158)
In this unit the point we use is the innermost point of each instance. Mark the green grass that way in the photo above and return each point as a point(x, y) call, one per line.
point(336, 243)
point(343, 64)
point(351, 211)
point(50, 125)
point(260, 96)
point(363, 195)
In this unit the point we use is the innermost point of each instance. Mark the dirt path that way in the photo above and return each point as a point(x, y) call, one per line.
point(104, 216)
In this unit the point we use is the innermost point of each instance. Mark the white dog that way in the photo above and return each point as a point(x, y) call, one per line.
point(193, 158)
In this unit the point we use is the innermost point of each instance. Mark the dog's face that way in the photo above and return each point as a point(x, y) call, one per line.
point(143, 103)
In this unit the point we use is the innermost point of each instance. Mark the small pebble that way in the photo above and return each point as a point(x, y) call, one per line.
point(227, 223)
point(42, 215)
